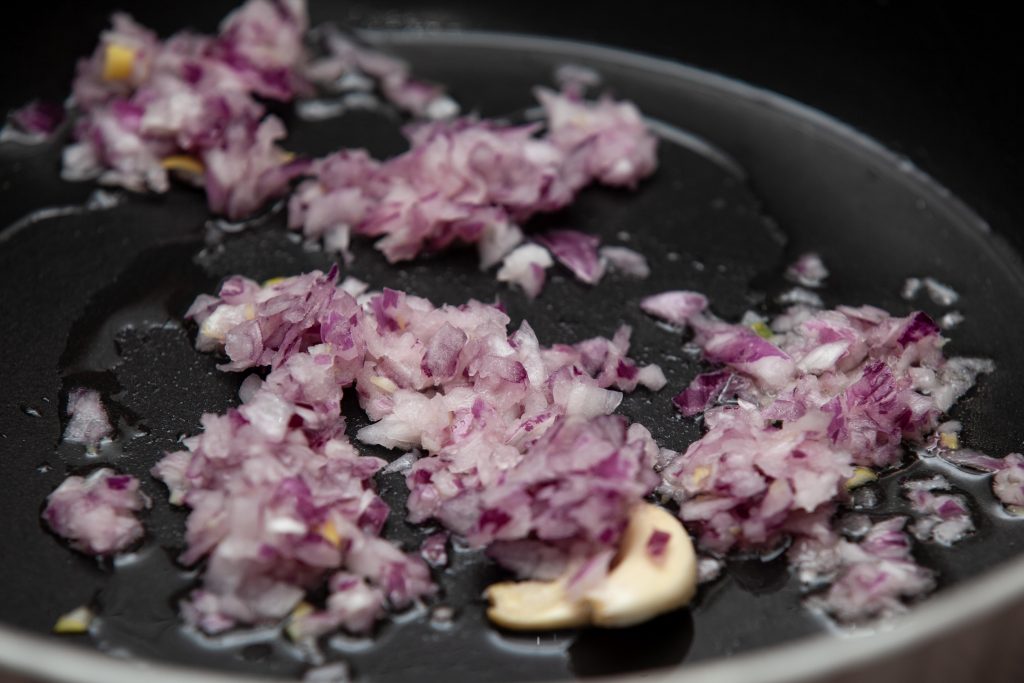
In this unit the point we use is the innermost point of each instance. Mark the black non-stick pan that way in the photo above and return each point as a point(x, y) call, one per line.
point(93, 293)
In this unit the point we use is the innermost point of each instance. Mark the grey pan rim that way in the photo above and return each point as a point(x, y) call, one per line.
point(46, 659)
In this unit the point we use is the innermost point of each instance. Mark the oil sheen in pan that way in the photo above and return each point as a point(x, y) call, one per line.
point(141, 262)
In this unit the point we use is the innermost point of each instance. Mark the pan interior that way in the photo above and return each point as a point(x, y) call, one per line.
point(95, 296)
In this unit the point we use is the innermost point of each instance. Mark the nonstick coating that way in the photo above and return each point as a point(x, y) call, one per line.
point(95, 298)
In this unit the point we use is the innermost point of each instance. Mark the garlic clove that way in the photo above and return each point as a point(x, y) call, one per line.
point(655, 572)
point(645, 584)
point(534, 605)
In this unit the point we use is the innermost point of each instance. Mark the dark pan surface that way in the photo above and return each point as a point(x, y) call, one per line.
point(95, 298)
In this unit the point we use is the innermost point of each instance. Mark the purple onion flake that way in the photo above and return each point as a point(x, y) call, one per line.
point(576, 251)
point(657, 543)
point(940, 516)
point(675, 307)
point(808, 270)
point(435, 549)
point(97, 513)
point(33, 123)
point(627, 261)
point(89, 424)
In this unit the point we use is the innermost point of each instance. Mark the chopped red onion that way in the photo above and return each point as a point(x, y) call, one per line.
point(33, 123)
point(279, 496)
point(707, 390)
point(829, 390)
point(402, 463)
point(799, 295)
point(604, 140)
point(89, 424)
point(472, 182)
point(651, 377)
point(940, 517)
point(911, 287)
point(435, 549)
point(742, 483)
point(656, 543)
point(96, 514)
point(940, 293)
point(808, 271)
point(869, 579)
point(1008, 482)
point(708, 568)
point(461, 182)
point(576, 251)
point(626, 261)
point(248, 167)
point(352, 604)
point(573, 487)
point(188, 105)
point(500, 394)
point(974, 460)
point(951, 319)
point(275, 507)
point(346, 58)
point(264, 326)
point(262, 41)
point(280, 499)
point(742, 349)
point(526, 266)
point(139, 46)
point(441, 358)
point(575, 79)
point(676, 307)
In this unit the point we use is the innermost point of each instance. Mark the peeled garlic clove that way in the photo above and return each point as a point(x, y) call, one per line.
point(534, 605)
point(656, 572)
point(645, 584)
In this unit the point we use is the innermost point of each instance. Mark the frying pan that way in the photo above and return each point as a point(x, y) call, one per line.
point(748, 180)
